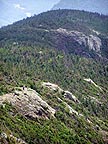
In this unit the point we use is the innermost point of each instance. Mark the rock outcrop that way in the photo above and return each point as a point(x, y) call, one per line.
point(66, 94)
point(70, 96)
point(29, 103)
point(51, 86)
point(92, 82)
point(14, 140)
point(92, 42)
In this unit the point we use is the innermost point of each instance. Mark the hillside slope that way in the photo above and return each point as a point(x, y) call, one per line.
point(54, 79)
point(77, 32)
point(38, 123)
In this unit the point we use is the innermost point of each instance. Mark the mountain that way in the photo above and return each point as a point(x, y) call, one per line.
point(78, 32)
point(99, 6)
point(54, 79)
point(12, 11)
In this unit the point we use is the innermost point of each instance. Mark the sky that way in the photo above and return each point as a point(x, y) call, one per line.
point(14, 10)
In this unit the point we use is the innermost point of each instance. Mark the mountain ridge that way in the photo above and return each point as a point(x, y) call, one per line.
point(79, 28)
point(99, 6)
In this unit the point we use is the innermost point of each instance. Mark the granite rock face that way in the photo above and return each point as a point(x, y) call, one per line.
point(4, 137)
point(29, 103)
point(90, 42)
point(66, 94)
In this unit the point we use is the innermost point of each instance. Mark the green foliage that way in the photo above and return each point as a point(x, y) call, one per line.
point(44, 131)
point(41, 31)
point(29, 56)
point(66, 70)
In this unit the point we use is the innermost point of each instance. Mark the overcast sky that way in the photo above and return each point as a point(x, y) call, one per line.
point(14, 10)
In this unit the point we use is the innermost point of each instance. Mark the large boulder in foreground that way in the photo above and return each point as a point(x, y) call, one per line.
point(29, 103)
